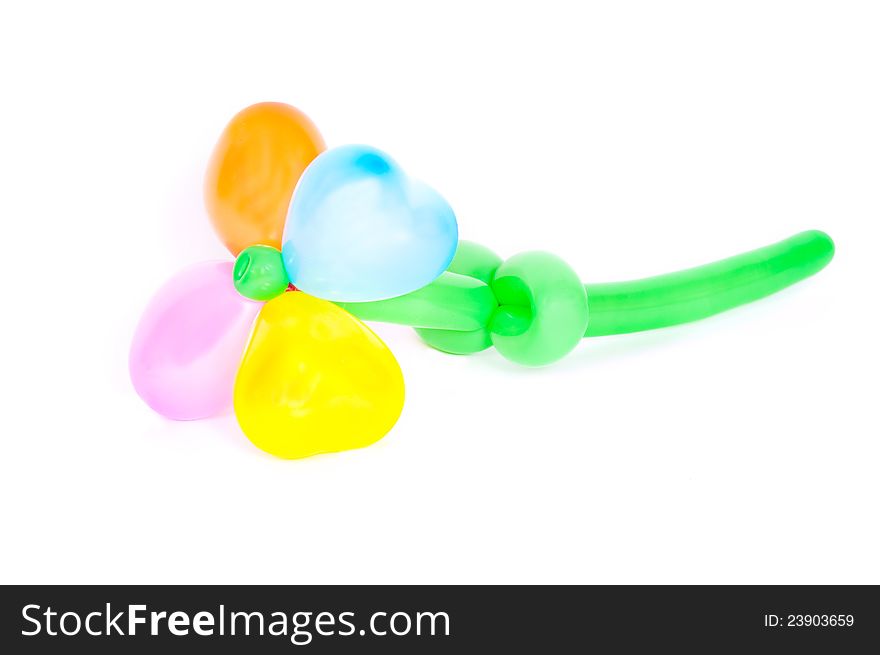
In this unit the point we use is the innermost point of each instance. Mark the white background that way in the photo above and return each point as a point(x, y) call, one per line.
point(630, 138)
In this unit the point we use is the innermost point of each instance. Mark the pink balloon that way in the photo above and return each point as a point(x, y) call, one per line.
point(190, 341)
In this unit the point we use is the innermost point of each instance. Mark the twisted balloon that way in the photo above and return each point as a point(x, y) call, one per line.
point(534, 309)
point(326, 238)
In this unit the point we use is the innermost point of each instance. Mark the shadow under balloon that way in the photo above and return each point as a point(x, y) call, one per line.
point(220, 435)
point(222, 428)
point(598, 351)
point(601, 350)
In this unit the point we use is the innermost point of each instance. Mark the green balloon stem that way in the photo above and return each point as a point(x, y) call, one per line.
point(456, 302)
point(451, 302)
point(696, 293)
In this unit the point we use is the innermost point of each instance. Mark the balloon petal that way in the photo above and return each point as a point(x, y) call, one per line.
point(253, 171)
point(314, 379)
point(359, 229)
point(189, 342)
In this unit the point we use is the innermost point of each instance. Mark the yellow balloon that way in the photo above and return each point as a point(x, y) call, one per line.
point(314, 379)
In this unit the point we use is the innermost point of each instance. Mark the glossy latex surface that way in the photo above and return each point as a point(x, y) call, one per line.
point(359, 229)
point(314, 379)
point(259, 273)
point(542, 307)
point(478, 263)
point(252, 173)
point(188, 344)
point(695, 293)
point(455, 302)
point(542, 311)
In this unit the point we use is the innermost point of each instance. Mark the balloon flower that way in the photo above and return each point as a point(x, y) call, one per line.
point(324, 239)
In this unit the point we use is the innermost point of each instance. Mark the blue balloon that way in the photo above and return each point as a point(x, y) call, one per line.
point(359, 229)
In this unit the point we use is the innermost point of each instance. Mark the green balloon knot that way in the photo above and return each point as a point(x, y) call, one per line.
point(259, 273)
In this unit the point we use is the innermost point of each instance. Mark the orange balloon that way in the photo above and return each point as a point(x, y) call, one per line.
point(253, 171)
